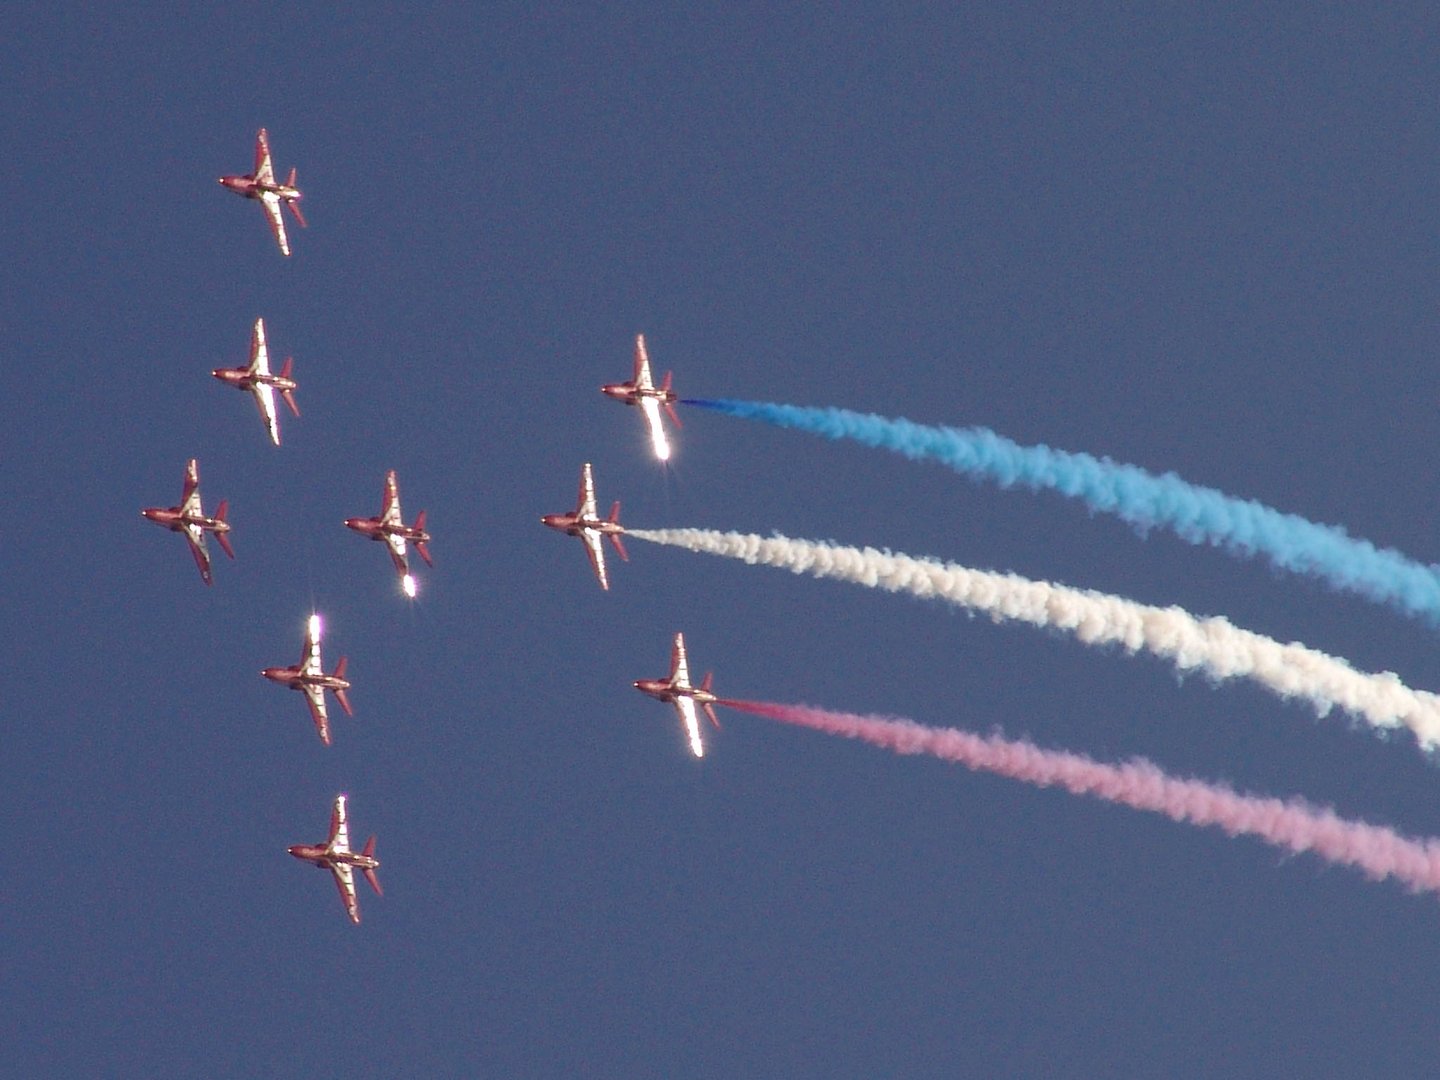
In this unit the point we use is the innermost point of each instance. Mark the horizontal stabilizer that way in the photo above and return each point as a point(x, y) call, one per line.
point(424, 551)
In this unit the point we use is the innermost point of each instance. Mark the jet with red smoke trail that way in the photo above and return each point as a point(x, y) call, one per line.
point(679, 692)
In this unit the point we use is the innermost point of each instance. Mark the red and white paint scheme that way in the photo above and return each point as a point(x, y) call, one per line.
point(308, 676)
point(335, 855)
point(190, 521)
point(391, 528)
point(257, 379)
point(585, 522)
point(678, 691)
point(261, 185)
point(641, 390)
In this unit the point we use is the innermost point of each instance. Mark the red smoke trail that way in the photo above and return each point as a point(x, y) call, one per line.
point(1291, 824)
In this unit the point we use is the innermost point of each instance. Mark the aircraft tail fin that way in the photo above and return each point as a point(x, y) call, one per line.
point(674, 416)
point(220, 534)
point(340, 695)
point(424, 551)
point(294, 204)
point(709, 708)
point(614, 519)
point(369, 871)
point(289, 398)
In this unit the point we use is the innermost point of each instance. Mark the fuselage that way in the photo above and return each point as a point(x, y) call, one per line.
point(574, 524)
point(632, 394)
point(176, 521)
point(297, 678)
point(377, 529)
point(665, 690)
point(245, 379)
point(251, 188)
point(324, 858)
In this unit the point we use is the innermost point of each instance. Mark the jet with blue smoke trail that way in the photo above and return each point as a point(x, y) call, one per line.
point(1197, 514)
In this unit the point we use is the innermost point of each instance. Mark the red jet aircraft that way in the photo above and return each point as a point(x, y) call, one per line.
point(641, 390)
point(678, 691)
point(257, 379)
point(261, 185)
point(585, 522)
point(190, 521)
point(309, 677)
point(335, 855)
point(391, 528)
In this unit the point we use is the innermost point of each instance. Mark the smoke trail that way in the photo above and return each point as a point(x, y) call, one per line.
point(1214, 646)
point(1198, 514)
point(1291, 824)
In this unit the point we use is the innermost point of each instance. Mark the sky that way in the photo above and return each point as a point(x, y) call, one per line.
point(1191, 240)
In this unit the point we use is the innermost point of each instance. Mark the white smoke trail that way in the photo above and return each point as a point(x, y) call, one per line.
point(1214, 645)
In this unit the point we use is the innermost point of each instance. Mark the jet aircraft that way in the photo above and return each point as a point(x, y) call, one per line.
point(391, 528)
point(678, 691)
point(641, 390)
point(308, 676)
point(257, 379)
point(189, 520)
point(585, 522)
point(261, 185)
point(335, 855)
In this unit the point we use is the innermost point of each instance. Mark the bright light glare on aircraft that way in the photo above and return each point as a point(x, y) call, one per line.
point(408, 584)
point(662, 445)
point(315, 627)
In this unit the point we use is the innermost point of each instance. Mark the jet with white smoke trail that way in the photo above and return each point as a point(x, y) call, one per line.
point(1197, 514)
point(1214, 646)
point(1292, 824)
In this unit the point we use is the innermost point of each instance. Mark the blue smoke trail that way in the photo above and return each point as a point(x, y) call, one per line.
point(1198, 514)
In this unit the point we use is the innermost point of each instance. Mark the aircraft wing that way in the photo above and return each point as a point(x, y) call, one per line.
point(190, 496)
point(259, 354)
point(586, 505)
point(651, 408)
point(271, 202)
point(685, 706)
point(265, 402)
point(310, 652)
point(264, 170)
point(390, 507)
point(396, 544)
point(597, 555)
point(679, 666)
point(339, 828)
point(345, 882)
point(196, 536)
point(315, 698)
point(642, 365)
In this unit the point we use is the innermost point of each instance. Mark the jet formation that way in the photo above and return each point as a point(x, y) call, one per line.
point(391, 528)
point(261, 185)
point(335, 855)
point(190, 521)
point(257, 379)
point(308, 676)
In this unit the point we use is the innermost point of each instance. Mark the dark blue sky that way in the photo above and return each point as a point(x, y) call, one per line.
point(1200, 241)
